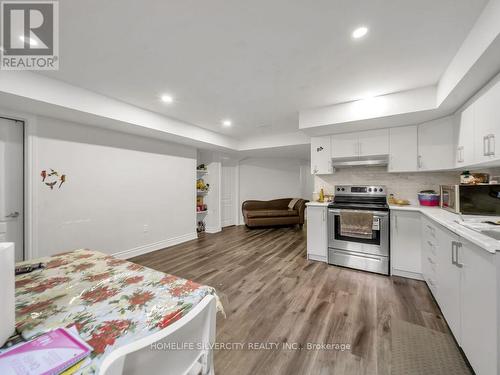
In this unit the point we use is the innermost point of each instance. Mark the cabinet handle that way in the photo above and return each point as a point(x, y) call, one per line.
point(359, 148)
point(323, 215)
point(491, 150)
point(485, 146)
point(419, 161)
point(457, 246)
point(453, 245)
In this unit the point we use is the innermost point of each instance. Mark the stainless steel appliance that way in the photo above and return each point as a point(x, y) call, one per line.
point(481, 199)
point(369, 254)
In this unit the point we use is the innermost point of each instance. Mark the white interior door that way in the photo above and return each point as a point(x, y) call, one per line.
point(228, 196)
point(11, 184)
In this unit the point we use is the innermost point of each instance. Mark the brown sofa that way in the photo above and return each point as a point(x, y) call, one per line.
point(275, 212)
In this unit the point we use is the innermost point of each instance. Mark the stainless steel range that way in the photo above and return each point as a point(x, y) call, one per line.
point(370, 253)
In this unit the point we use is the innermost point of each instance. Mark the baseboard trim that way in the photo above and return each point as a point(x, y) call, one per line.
point(407, 274)
point(317, 258)
point(144, 249)
point(213, 230)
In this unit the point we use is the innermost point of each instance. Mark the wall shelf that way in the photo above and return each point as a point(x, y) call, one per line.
point(201, 192)
point(202, 212)
point(201, 171)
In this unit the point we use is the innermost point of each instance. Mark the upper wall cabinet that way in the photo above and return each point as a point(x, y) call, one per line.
point(464, 152)
point(374, 142)
point(345, 145)
point(403, 149)
point(321, 155)
point(361, 144)
point(436, 146)
point(487, 126)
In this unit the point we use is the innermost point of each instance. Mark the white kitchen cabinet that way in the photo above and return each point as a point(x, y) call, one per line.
point(487, 126)
point(317, 236)
point(403, 149)
point(448, 280)
point(345, 145)
point(373, 142)
point(321, 155)
point(464, 153)
point(436, 144)
point(479, 307)
point(361, 144)
point(406, 253)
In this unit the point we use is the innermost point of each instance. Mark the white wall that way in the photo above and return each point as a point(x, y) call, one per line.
point(273, 178)
point(124, 194)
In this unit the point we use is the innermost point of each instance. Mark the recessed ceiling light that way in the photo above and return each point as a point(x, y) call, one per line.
point(31, 41)
point(360, 32)
point(227, 123)
point(167, 98)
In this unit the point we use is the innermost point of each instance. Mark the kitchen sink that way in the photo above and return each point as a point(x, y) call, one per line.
point(491, 233)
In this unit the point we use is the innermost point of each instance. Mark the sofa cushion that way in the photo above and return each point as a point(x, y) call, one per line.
point(271, 213)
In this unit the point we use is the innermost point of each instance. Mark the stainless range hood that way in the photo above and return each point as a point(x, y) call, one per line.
point(373, 161)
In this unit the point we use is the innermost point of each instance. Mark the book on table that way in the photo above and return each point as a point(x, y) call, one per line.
point(51, 353)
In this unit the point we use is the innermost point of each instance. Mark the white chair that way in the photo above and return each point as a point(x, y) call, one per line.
point(145, 356)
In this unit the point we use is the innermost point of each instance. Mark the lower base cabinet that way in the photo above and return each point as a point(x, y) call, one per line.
point(464, 280)
point(317, 237)
point(406, 249)
point(480, 308)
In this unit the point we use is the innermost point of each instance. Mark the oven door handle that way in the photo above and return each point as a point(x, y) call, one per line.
point(375, 213)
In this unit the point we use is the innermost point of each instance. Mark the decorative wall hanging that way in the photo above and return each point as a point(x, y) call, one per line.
point(52, 178)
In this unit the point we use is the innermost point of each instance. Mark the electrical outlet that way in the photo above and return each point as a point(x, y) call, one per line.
point(146, 228)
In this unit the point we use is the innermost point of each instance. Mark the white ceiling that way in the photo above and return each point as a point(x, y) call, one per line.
point(256, 62)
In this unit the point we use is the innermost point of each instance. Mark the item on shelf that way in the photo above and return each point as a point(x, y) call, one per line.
point(391, 199)
point(481, 178)
point(201, 167)
point(201, 185)
point(201, 226)
point(428, 198)
point(465, 177)
point(495, 180)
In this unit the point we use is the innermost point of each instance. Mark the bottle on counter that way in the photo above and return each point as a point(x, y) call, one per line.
point(321, 196)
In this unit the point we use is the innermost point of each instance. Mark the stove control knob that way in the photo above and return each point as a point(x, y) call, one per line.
point(338, 189)
point(370, 190)
point(343, 189)
point(381, 190)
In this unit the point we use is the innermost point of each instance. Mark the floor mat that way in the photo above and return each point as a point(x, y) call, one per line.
point(418, 350)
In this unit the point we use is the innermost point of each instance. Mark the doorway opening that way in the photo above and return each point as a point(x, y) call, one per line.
point(12, 184)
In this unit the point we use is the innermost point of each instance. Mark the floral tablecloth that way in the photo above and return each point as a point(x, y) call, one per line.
point(110, 301)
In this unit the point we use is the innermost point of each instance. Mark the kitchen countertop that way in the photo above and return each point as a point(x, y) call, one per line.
point(318, 204)
point(448, 220)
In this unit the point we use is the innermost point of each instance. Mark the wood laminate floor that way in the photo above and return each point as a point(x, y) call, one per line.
point(272, 294)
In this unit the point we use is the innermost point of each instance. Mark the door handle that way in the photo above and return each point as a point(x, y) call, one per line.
point(13, 215)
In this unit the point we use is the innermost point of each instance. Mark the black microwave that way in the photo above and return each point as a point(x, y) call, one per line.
point(481, 199)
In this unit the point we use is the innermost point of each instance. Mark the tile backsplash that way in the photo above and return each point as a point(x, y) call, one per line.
point(402, 185)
